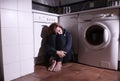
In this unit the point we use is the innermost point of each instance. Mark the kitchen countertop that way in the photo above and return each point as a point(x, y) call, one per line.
point(79, 12)
point(42, 12)
point(92, 10)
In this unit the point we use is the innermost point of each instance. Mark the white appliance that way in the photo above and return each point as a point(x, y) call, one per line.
point(98, 38)
point(41, 22)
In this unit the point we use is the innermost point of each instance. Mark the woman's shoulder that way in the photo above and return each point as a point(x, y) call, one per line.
point(66, 32)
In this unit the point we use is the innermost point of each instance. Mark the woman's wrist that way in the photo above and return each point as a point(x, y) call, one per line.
point(60, 53)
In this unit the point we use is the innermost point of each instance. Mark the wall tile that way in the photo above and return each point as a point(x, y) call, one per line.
point(25, 5)
point(9, 18)
point(9, 36)
point(27, 66)
point(25, 20)
point(26, 51)
point(9, 4)
point(0, 3)
point(17, 38)
point(26, 36)
point(11, 54)
point(11, 71)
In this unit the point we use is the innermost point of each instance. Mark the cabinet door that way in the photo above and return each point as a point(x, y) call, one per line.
point(70, 23)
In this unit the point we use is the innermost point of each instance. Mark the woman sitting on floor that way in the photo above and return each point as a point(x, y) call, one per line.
point(58, 47)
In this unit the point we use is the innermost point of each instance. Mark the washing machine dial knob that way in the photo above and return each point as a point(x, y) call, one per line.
point(109, 15)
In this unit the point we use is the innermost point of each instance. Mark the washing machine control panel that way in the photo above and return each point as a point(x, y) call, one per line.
point(98, 15)
point(44, 18)
point(104, 15)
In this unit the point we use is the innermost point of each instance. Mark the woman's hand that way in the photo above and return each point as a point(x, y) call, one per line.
point(60, 54)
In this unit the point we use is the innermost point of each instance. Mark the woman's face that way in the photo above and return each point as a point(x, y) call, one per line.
point(58, 30)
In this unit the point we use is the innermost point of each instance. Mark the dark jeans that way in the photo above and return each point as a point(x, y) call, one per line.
point(59, 43)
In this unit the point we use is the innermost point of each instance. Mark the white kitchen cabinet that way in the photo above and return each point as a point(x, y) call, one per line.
point(70, 22)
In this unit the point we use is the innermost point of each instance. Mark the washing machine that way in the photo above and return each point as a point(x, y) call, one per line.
point(98, 38)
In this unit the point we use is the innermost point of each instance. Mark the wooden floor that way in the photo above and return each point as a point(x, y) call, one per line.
point(72, 72)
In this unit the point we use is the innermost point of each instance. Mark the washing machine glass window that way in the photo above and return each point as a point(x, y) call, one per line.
point(97, 36)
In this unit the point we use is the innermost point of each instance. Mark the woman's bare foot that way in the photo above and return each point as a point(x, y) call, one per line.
point(58, 67)
point(53, 63)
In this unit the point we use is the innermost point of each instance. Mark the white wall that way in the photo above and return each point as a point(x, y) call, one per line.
point(17, 38)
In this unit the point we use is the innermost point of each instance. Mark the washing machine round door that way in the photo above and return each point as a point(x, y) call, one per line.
point(97, 36)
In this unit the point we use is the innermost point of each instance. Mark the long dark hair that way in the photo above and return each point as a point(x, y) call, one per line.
point(52, 27)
